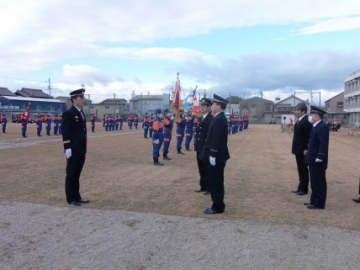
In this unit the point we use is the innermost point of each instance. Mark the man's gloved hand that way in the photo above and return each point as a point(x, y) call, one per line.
point(212, 161)
point(68, 153)
point(157, 141)
point(318, 160)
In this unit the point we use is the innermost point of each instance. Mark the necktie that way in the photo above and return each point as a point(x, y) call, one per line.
point(82, 115)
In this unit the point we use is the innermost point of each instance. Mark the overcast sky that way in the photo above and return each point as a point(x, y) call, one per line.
point(240, 47)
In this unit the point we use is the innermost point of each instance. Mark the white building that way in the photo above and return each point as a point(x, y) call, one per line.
point(352, 97)
point(149, 103)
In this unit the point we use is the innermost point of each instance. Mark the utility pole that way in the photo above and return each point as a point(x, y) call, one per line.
point(114, 104)
point(49, 87)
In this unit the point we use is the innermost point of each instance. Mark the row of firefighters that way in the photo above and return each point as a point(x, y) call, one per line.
point(39, 120)
point(115, 122)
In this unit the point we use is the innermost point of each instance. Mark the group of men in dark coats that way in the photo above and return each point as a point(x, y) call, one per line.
point(310, 147)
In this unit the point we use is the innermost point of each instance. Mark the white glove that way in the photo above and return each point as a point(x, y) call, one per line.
point(157, 141)
point(68, 153)
point(318, 160)
point(212, 161)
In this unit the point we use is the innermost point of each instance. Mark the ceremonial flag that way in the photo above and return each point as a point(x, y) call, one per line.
point(96, 113)
point(27, 112)
point(189, 101)
point(176, 94)
point(195, 104)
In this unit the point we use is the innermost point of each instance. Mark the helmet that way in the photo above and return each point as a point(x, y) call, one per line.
point(158, 111)
point(166, 110)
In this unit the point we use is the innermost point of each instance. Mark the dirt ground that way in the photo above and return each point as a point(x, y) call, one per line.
point(119, 174)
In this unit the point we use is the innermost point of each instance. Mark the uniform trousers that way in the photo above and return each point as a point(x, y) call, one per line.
point(216, 184)
point(167, 139)
point(318, 185)
point(180, 138)
point(204, 177)
point(72, 182)
point(303, 172)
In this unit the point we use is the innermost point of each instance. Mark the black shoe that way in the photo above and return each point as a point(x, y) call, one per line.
point(307, 203)
point(295, 191)
point(83, 201)
point(157, 163)
point(209, 211)
point(75, 203)
point(167, 158)
point(301, 193)
point(207, 192)
point(199, 190)
point(356, 200)
point(188, 149)
point(24, 136)
point(180, 153)
point(312, 207)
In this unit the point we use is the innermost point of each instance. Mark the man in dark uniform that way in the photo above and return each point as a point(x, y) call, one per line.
point(158, 136)
point(38, 125)
point(216, 153)
point(24, 122)
point(4, 122)
point(74, 140)
point(317, 158)
point(180, 131)
point(202, 129)
point(300, 143)
point(167, 129)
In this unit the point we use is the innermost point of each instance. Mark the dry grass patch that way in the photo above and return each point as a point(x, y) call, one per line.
point(119, 174)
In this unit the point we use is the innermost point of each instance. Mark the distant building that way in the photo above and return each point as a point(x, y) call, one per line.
point(107, 107)
point(232, 108)
point(287, 105)
point(352, 97)
point(6, 92)
point(149, 103)
point(34, 93)
point(16, 105)
point(260, 110)
point(335, 109)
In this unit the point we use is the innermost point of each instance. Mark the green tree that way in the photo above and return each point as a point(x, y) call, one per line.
point(234, 99)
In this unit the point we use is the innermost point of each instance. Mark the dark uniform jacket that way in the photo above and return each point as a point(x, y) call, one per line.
point(202, 129)
point(318, 145)
point(302, 131)
point(74, 130)
point(216, 141)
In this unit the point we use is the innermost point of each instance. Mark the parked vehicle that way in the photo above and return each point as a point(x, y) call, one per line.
point(272, 121)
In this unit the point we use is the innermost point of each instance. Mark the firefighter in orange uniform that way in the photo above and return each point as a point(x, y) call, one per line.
point(158, 136)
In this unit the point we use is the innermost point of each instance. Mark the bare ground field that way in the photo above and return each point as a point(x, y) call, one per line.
point(119, 175)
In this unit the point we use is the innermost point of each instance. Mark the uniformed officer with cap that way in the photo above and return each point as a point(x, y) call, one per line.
point(74, 140)
point(216, 153)
point(317, 158)
point(202, 129)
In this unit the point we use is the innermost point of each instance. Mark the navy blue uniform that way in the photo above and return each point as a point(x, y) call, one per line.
point(216, 146)
point(3, 123)
point(318, 149)
point(74, 138)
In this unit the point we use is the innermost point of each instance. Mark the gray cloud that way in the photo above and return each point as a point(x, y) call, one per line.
point(307, 70)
